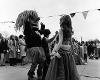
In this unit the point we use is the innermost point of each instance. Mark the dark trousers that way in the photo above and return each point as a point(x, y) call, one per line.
point(85, 57)
point(22, 60)
point(12, 61)
point(45, 68)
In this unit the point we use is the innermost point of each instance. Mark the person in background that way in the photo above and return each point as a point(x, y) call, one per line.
point(92, 48)
point(12, 50)
point(76, 52)
point(85, 53)
point(16, 48)
point(2, 55)
point(45, 44)
point(6, 48)
point(22, 46)
point(82, 52)
point(88, 48)
point(97, 50)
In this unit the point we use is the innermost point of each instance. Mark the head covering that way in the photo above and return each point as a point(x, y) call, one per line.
point(28, 15)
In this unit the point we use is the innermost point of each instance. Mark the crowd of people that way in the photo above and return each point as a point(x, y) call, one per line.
point(56, 57)
point(86, 50)
point(12, 50)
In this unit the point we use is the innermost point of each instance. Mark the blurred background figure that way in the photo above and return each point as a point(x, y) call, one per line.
point(12, 50)
point(22, 46)
point(2, 57)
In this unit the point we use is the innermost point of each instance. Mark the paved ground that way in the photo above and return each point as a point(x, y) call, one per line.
point(91, 71)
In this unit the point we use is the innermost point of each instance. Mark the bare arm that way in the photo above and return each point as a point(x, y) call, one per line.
point(50, 40)
point(57, 46)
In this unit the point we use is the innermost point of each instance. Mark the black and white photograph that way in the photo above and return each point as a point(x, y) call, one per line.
point(49, 39)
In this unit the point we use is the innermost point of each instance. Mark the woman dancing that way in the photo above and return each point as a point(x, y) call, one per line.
point(62, 65)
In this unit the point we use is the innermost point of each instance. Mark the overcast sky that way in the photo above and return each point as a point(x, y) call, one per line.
point(87, 29)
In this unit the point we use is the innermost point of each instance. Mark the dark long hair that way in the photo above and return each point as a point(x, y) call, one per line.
point(66, 24)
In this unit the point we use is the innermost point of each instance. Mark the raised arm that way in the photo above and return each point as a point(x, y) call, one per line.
point(50, 40)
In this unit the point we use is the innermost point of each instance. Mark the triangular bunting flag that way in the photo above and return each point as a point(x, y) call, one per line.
point(61, 15)
point(99, 9)
point(72, 14)
point(50, 16)
point(85, 14)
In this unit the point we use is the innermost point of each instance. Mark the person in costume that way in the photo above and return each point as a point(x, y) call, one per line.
point(30, 22)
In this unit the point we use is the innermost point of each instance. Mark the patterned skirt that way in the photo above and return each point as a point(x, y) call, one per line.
point(63, 68)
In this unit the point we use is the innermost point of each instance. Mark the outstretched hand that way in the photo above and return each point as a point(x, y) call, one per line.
point(58, 55)
point(53, 54)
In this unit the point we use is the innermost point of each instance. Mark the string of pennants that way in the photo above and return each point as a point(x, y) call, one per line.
point(7, 22)
point(84, 14)
point(74, 13)
point(71, 14)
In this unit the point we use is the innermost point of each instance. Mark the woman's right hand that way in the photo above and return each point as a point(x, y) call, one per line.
point(58, 55)
point(53, 54)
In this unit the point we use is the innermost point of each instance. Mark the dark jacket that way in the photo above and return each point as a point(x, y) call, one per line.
point(3, 46)
point(33, 40)
point(45, 47)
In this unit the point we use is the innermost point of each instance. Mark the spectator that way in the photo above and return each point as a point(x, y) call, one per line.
point(22, 46)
